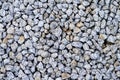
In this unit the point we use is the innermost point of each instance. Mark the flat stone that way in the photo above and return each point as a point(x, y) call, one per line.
point(65, 75)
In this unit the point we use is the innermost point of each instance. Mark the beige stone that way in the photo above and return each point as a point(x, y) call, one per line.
point(37, 78)
point(21, 39)
point(102, 36)
point(86, 57)
point(80, 24)
point(76, 50)
point(65, 75)
point(39, 58)
point(5, 40)
point(9, 36)
point(73, 63)
point(2, 69)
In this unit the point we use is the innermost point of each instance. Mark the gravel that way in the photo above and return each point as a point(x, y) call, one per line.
point(59, 39)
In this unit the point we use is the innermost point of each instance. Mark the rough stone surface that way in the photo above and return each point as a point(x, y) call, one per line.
point(59, 39)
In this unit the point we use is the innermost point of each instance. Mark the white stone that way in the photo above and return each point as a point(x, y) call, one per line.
point(28, 27)
point(41, 23)
point(10, 30)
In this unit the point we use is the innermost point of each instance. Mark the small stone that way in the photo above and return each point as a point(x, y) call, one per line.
point(87, 66)
point(69, 12)
point(74, 76)
point(2, 69)
point(2, 12)
point(39, 58)
point(76, 50)
point(1, 28)
point(85, 46)
point(40, 66)
point(11, 54)
point(69, 46)
point(54, 55)
point(102, 36)
point(80, 24)
point(21, 39)
point(62, 46)
point(22, 23)
point(28, 44)
point(10, 30)
point(57, 32)
point(28, 27)
point(95, 16)
point(85, 3)
point(41, 23)
point(43, 53)
point(94, 56)
point(73, 63)
point(77, 44)
point(111, 39)
point(65, 75)
point(118, 73)
point(8, 18)
point(22, 7)
point(103, 23)
point(21, 74)
point(86, 57)
point(71, 26)
point(19, 56)
point(76, 30)
point(6, 61)
point(37, 78)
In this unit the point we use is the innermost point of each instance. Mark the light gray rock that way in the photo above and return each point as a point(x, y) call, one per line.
point(43, 53)
point(85, 46)
point(40, 66)
point(77, 44)
point(57, 32)
point(69, 12)
point(94, 56)
point(10, 30)
point(41, 23)
point(103, 23)
point(85, 3)
point(28, 44)
point(111, 39)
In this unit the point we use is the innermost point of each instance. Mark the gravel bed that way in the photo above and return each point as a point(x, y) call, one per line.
point(59, 39)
